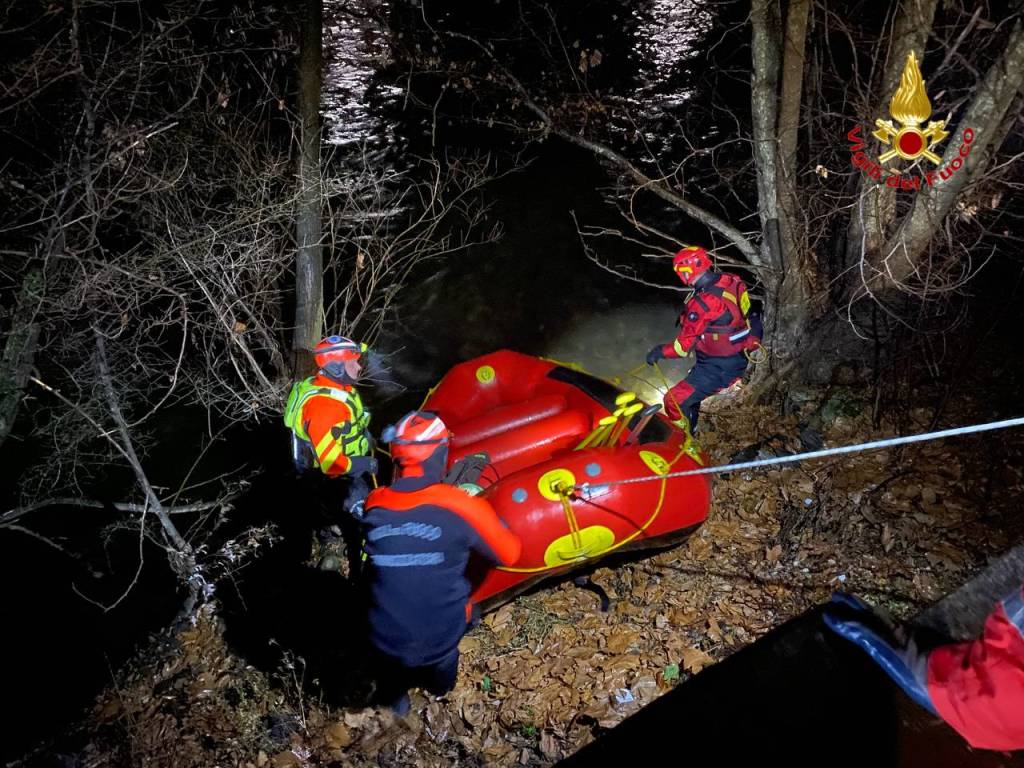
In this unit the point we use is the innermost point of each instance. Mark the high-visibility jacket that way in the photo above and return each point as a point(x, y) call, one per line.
point(330, 419)
point(715, 320)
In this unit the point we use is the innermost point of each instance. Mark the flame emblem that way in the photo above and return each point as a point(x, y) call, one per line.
point(910, 107)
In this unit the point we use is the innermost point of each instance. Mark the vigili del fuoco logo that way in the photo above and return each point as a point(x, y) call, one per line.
point(907, 139)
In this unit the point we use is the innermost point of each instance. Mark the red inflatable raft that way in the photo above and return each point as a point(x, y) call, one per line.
point(548, 428)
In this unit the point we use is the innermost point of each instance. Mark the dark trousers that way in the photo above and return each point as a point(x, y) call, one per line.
point(351, 527)
point(394, 678)
point(708, 376)
point(357, 491)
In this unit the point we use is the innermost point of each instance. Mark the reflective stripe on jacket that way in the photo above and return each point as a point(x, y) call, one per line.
point(331, 420)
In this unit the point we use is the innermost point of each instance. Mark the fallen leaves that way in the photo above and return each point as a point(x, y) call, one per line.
point(338, 736)
point(694, 660)
point(286, 759)
point(620, 639)
point(538, 673)
point(888, 540)
point(549, 746)
point(714, 631)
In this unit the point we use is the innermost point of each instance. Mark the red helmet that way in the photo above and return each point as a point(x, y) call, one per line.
point(416, 437)
point(690, 263)
point(331, 353)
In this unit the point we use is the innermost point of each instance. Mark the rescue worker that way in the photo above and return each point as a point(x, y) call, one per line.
point(976, 687)
point(419, 535)
point(328, 422)
point(716, 323)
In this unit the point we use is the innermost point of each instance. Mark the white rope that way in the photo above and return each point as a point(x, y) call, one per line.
point(888, 443)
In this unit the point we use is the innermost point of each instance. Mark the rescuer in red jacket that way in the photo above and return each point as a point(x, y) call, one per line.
point(716, 324)
point(977, 687)
point(419, 535)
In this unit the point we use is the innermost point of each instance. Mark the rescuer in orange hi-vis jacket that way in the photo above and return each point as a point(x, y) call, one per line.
point(329, 425)
point(419, 535)
point(717, 324)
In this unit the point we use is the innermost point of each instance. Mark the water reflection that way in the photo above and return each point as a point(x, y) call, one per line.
point(667, 38)
point(534, 291)
point(669, 33)
point(355, 46)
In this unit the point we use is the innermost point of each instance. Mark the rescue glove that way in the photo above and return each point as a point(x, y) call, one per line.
point(855, 621)
point(655, 354)
point(362, 465)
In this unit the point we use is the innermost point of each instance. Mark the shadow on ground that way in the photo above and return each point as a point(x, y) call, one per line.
point(800, 696)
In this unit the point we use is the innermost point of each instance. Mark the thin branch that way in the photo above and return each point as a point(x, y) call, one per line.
point(658, 187)
point(128, 450)
point(15, 513)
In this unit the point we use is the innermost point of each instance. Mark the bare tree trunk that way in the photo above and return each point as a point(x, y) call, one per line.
point(985, 118)
point(19, 350)
point(789, 121)
point(764, 106)
point(786, 310)
point(875, 204)
point(309, 260)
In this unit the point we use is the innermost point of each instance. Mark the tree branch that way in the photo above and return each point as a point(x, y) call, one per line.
point(984, 117)
point(658, 186)
point(15, 513)
point(128, 451)
point(19, 350)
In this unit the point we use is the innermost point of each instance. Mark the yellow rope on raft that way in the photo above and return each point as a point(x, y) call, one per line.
point(570, 515)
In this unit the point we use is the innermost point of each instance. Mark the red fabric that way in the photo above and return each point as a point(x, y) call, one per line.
point(706, 308)
point(978, 687)
point(505, 418)
point(319, 414)
point(530, 443)
point(675, 398)
point(473, 509)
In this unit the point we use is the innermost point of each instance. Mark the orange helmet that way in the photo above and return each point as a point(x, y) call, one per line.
point(416, 437)
point(332, 352)
point(690, 263)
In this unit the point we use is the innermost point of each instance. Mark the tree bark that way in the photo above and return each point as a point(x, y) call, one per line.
point(875, 204)
point(19, 350)
point(309, 258)
point(764, 108)
point(789, 122)
point(792, 83)
point(786, 308)
point(985, 118)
